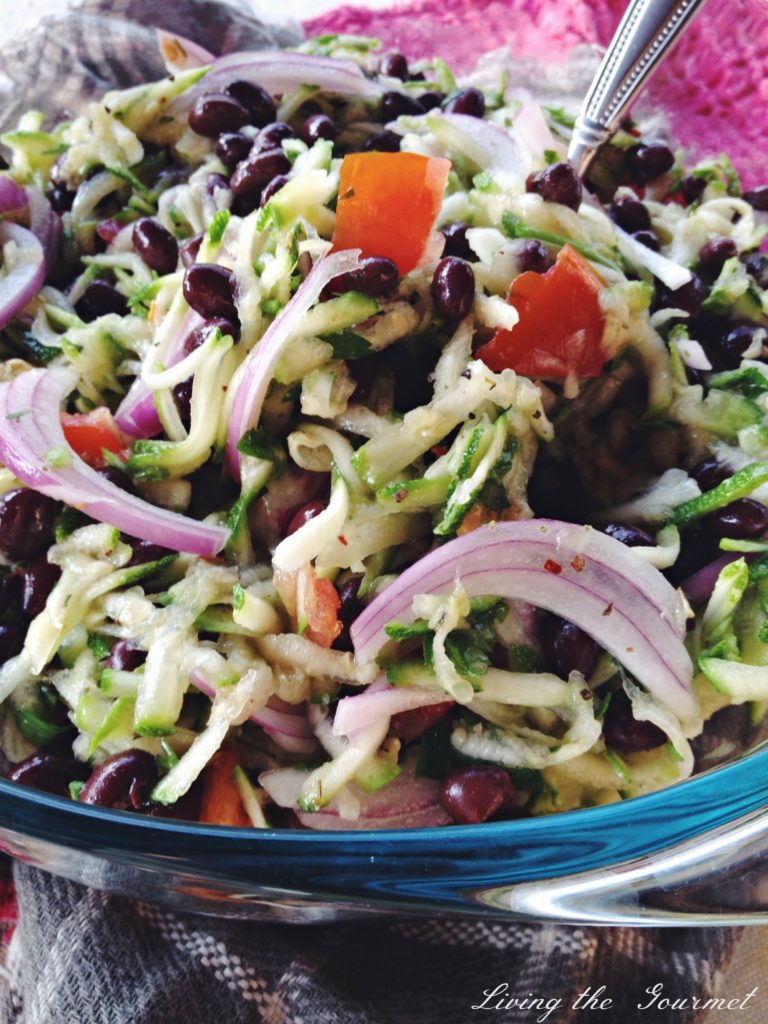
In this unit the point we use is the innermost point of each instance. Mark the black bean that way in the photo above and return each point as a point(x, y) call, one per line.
point(250, 176)
point(688, 297)
point(273, 135)
point(697, 549)
point(625, 733)
point(474, 794)
point(732, 346)
point(189, 249)
point(98, 299)
point(257, 101)
point(182, 399)
point(648, 160)
point(196, 338)
point(469, 101)
point(456, 243)
point(351, 607)
point(61, 199)
point(216, 112)
point(272, 188)
point(10, 590)
point(186, 808)
point(692, 189)
point(118, 478)
point(453, 288)
point(210, 291)
point(308, 108)
point(126, 656)
point(569, 648)
point(11, 640)
point(156, 245)
point(710, 473)
point(557, 183)
point(318, 126)
point(40, 577)
point(232, 147)
point(398, 104)
point(50, 773)
point(533, 256)
point(758, 198)
point(383, 142)
point(630, 214)
point(714, 253)
point(215, 182)
point(743, 519)
point(27, 522)
point(431, 100)
point(124, 781)
point(632, 536)
point(146, 551)
point(376, 276)
point(395, 66)
point(756, 264)
point(648, 239)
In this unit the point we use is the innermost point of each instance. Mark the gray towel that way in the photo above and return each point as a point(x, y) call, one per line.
point(82, 956)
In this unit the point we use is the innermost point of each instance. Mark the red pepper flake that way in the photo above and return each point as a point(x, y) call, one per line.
point(400, 495)
point(554, 567)
point(342, 539)
point(608, 609)
point(439, 450)
point(578, 563)
point(630, 650)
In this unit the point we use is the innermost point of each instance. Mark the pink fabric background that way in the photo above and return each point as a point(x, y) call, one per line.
point(715, 84)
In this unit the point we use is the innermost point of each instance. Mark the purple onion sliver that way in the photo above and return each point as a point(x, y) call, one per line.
point(26, 279)
point(576, 572)
point(192, 54)
point(28, 431)
point(353, 713)
point(13, 198)
point(698, 587)
point(260, 364)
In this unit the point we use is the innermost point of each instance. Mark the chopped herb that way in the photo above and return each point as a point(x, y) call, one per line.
point(347, 345)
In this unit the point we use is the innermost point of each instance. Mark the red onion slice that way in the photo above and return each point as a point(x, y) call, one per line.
point(353, 713)
point(406, 802)
point(488, 145)
point(285, 724)
point(576, 572)
point(259, 367)
point(44, 224)
point(13, 198)
point(180, 53)
point(136, 415)
point(30, 428)
point(26, 279)
point(281, 73)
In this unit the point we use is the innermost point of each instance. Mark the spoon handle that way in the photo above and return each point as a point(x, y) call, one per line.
point(642, 40)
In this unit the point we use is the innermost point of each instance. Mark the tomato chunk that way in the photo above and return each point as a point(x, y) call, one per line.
point(561, 325)
point(312, 602)
point(388, 204)
point(89, 433)
point(221, 803)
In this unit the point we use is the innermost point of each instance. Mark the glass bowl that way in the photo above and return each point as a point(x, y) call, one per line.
point(696, 853)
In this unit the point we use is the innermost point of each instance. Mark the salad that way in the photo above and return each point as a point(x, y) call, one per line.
point(363, 468)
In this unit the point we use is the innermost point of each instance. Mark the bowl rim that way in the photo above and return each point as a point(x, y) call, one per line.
point(744, 776)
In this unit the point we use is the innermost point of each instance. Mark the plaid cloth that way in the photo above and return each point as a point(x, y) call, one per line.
point(72, 955)
point(81, 956)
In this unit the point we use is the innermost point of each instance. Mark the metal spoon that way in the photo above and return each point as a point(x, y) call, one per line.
point(642, 40)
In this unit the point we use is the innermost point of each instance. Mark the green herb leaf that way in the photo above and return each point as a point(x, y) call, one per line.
point(347, 345)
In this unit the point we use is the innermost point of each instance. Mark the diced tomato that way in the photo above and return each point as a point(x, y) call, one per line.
point(313, 603)
point(89, 433)
point(109, 229)
point(221, 803)
point(561, 325)
point(388, 204)
point(409, 725)
point(92, 432)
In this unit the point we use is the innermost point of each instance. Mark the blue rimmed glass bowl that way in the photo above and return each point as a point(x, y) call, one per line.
point(696, 853)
